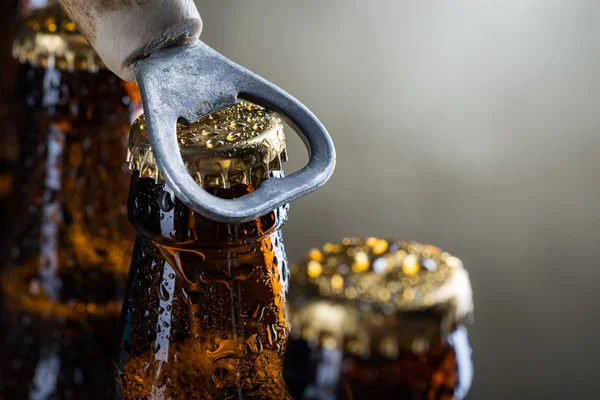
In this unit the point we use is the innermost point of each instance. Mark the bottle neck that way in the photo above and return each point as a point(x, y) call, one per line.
point(155, 214)
point(205, 309)
point(443, 370)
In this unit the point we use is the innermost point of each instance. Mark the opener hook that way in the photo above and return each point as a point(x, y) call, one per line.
point(191, 81)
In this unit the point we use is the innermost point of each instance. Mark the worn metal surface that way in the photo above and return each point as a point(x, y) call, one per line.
point(194, 80)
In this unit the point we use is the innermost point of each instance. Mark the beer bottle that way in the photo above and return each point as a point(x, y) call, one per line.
point(64, 281)
point(204, 316)
point(8, 119)
point(378, 319)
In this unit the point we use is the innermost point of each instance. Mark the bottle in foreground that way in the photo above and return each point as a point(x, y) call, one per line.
point(205, 315)
point(64, 281)
point(375, 319)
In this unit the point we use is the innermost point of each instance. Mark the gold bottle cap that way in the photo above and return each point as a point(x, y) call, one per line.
point(379, 296)
point(232, 146)
point(47, 38)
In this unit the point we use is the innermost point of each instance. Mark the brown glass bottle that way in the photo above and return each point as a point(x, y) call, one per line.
point(8, 112)
point(205, 311)
point(375, 319)
point(63, 284)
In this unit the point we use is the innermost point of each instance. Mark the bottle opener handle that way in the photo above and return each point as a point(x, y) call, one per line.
point(191, 81)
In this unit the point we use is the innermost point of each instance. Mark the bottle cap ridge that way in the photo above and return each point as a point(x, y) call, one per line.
point(231, 146)
point(47, 38)
point(373, 293)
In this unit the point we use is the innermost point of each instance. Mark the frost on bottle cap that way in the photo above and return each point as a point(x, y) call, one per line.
point(47, 38)
point(378, 296)
point(235, 145)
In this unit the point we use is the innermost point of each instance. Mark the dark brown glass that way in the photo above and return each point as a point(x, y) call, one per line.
point(9, 119)
point(320, 372)
point(63, 284)
point(205, 311)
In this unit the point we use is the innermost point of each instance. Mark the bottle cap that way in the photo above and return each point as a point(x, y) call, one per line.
point(379, 296)
point(235, 145)
point(47, 38)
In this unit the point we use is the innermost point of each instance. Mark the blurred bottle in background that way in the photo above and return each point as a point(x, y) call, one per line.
point(9, 119)
point(205, 310)
point(63, 282)
point(376, 319)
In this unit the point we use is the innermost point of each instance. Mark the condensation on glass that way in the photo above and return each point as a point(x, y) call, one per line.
point(70, 249)
point(205, 311)
point(379, 319)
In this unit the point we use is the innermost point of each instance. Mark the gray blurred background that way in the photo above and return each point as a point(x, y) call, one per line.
point(472, 125)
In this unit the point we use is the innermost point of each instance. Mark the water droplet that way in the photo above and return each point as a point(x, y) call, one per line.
point(380, 265)
point(284, 272)
point(259, 311)
point(214, 143)
point(163, 292)
point(186, 297)
point(160, 375)
point(219, 375)
point(174, 259)
point(233, 136)
point(272, 334)
point(428, 264)
point(225, 349)
point(255, 347)
point(243, 271)
point(147, 370)
point(155, 346)
point(410, 265)
point(209, 133)
point(215, 277)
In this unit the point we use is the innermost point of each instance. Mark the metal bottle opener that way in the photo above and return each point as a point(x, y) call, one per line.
point(194, 80)
point(180, 76)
